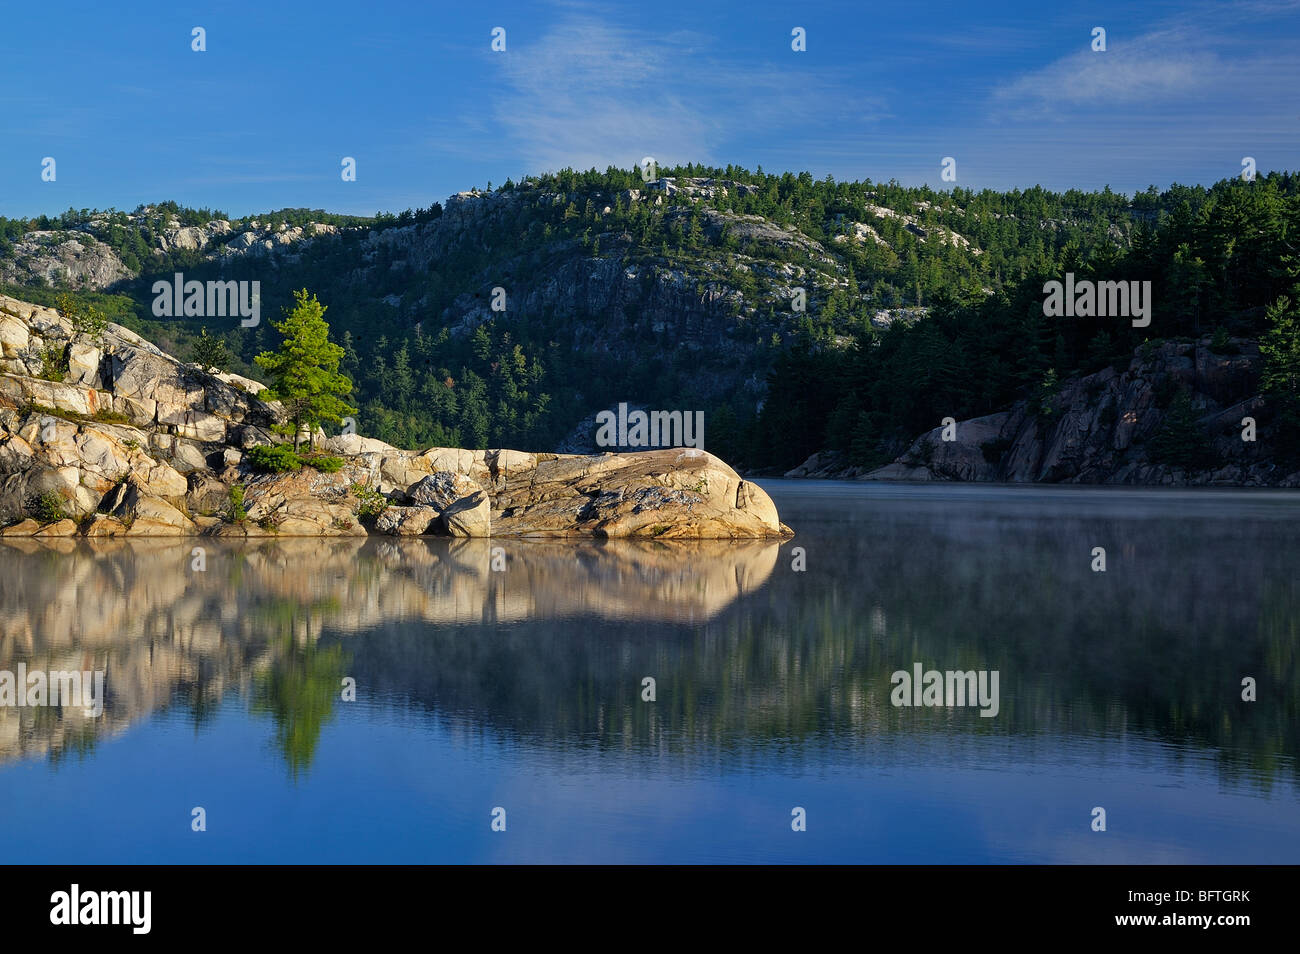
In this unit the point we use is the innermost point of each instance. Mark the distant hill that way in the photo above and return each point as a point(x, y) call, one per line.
point(800, 315)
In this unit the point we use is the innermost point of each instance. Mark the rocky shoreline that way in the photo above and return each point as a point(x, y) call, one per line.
point(113, 437)
point(1100, 429)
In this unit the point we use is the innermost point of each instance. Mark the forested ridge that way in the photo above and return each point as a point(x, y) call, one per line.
point(684, 293)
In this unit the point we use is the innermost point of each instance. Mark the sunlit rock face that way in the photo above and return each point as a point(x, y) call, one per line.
point(129, 442)
point(168, 623)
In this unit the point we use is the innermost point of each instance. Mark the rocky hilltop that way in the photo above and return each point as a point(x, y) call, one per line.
point(1106, 428)
point(84, 256)
point(674, 271)
point(113, 437)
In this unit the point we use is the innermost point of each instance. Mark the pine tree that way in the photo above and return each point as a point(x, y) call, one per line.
point(209, 352)
point(305, 371)
point(1280, 348)
point(1181, 442)
point(400, 386)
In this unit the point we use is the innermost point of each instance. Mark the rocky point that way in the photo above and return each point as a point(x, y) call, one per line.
point(113, 437)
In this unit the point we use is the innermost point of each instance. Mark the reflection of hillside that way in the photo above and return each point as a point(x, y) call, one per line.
point(1155, 647)
point(745, 652)
point(164, 631)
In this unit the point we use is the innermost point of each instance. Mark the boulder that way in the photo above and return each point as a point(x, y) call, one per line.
point(102, 525)
point(15, 453)
point(141, 411)
point(160, 480)
point(454, 459)
point(441, 489)
point(74, 398)
point(350, 445)
point(60, 528)
point(240, 383)
point(151, 375)
point(407, 521)
point(250, 435)
point(469, 516)
point(191, 423)
point(670, 493)
point(154, 517)
point(14, 336)
point(83, 363)
point(205, 494)
point(399, 471)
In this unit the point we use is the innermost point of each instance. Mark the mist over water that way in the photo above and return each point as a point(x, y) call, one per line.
point(522, 689)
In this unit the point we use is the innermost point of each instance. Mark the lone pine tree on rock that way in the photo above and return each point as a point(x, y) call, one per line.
point(209, 352)
point(305, 371)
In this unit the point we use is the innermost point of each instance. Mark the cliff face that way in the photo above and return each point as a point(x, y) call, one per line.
point(1107, 428)
point(113, 437)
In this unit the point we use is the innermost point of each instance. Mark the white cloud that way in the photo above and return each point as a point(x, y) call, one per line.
point(591, 94)
point(1157, 67)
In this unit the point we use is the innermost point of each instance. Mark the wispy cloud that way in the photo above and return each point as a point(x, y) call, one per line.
point(1153, 68)
point(588, 93)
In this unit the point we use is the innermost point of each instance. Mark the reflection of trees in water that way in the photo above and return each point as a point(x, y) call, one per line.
point(74, 743)
point(299, 687)
point(167, 635)
point(298, 693)
point(1155, 647)
point(745, 652)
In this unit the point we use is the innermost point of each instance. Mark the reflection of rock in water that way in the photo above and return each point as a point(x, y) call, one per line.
point(164, 632)
point(746, 653)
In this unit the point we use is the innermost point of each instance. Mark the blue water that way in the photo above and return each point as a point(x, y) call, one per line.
point(521, 690)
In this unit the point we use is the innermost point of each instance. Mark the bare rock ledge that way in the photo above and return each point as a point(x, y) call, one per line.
point(133, 442)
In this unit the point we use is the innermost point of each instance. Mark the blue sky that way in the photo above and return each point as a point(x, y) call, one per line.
point(413, 91)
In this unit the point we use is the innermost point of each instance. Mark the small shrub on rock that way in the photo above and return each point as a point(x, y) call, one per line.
point(1220, 343)
point(54, 362)
point(325, 463)
point(996, 449)
point(46, 508)
point(371, 502)
point(237, 512)
point(273, 459)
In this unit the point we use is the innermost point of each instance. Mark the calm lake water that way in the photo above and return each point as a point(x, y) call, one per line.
point(522, 689)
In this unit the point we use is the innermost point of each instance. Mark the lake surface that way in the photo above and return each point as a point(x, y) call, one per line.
point(522, 689)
